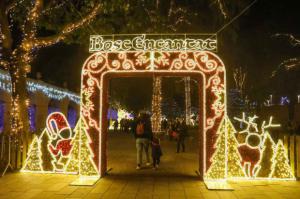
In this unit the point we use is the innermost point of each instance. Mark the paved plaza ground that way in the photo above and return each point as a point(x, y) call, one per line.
point(176, 178)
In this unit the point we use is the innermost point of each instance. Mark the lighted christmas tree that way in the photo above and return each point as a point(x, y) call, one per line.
point(234, 167)
point(47, 157)
point(266, 161)
point(217, 169)
point(74, 159)
point(280, 166)
point(87, 166)
point(34, 160)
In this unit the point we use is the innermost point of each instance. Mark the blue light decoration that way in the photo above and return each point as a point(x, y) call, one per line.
point(72, 117)
point(112, 114)
point(284, 101)
point(52, 109)
point(2, 112)
point(32, 117)
point(50, 91)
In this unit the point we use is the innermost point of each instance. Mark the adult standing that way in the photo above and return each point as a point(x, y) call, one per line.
point(182, 133)
point(143, 135)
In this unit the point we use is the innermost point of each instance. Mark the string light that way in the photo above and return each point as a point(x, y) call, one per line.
point(156, 105)
point(265, 163)
point(204, 63)
point(152, 43)
point(37, 86)
point(217, 170)
point(226, 161)
point(280, 167)
point(79, 157)
point(34, 161)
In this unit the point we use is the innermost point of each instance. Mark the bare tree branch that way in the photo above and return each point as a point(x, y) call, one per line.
point(67, 29)
point(291, 39)
point(222, 8)
point(30, 23)
point(53, 6)
point(12, 5)
point(5, 30)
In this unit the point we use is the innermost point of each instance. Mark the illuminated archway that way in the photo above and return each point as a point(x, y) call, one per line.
point(100, 66)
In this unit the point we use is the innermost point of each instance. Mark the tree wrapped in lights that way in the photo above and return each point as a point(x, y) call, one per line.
point(156, 105)
point(34, 160)
point(280, 167)
point(87, 166)
point(217, 169)
point(47, 157)
point(74, 157)
point(266, 161)
point(234, 159)
point(18, 50)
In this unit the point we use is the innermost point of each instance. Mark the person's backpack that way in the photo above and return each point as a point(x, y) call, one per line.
point(140, 129)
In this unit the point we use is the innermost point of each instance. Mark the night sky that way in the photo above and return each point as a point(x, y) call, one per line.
point(250, 46)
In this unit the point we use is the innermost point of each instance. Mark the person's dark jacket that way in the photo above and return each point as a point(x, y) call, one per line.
point(182, 130)
point(147, 130)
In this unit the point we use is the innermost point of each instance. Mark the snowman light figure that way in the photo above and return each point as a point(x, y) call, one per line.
point(250, 142)
point(60, 134)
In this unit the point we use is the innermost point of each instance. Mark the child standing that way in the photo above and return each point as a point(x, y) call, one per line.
point(156, 151)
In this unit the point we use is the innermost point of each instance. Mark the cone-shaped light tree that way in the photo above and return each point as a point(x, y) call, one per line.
point(280, 167)
point(234, 167)
point(266, 161)
point(217, 169)
point(74, 159)
point(34, 161)
point(47, 157)
point(87, 165)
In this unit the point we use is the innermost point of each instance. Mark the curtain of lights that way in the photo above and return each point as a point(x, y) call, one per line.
point(32, 116)
point(2, 111)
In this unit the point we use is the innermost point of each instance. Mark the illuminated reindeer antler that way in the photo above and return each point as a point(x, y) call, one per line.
point(269, 125)
point(249, 123)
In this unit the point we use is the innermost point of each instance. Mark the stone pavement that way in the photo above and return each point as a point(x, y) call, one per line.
point(176, 178)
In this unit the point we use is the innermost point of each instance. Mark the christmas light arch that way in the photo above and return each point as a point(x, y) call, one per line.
point(101, 66)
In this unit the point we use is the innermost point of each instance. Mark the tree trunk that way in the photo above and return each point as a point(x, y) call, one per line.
point(156, 105)
point(19, 111)
point(187, 90)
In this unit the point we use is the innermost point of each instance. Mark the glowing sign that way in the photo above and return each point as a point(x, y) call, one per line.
point(113, 43)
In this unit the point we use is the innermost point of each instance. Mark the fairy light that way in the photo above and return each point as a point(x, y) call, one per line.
point(148, 42)
point(87, 166)
point(34, 161)
point(203, 63)
point(217, 170)
point(234, 168)
point(156, 105)
point(38, 86)
point(67, 29)
point(79, 158)
point(265, 163)
point(280, 167)
point(226, 161)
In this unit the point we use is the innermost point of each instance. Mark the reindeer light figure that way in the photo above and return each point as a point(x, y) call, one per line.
point(251, 141)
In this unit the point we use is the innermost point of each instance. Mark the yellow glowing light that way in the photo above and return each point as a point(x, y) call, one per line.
point(156, 105)
point(234, 167)
point(78, 161)
point(280, 167)
point(203, 63)
point(34, 160)
point(144, 42)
